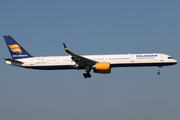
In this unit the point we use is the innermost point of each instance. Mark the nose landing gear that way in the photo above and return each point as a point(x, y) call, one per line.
point(159, 69)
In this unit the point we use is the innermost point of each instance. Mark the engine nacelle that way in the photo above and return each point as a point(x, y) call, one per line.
point(102, 67)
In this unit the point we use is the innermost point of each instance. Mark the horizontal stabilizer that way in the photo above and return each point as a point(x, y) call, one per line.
point(12, 60)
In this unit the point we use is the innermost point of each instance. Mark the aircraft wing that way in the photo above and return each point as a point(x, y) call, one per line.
point(12, 60)
point(80, 60)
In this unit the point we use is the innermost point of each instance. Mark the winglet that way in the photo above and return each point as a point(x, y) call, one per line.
point(66, 49)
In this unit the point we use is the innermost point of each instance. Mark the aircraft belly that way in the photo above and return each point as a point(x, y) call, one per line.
point(52, 67)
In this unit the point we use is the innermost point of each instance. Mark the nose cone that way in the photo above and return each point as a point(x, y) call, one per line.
point(175, 61)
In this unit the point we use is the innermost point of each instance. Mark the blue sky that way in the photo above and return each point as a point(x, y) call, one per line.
point(91, 27)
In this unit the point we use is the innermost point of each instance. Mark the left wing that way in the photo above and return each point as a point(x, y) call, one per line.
point(81, 61)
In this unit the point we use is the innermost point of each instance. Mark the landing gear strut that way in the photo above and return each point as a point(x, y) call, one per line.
point(159, 69)
point(88, 69)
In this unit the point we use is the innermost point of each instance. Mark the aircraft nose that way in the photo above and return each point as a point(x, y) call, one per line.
point(175, 61)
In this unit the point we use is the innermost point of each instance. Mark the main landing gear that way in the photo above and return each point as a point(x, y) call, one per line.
point(159, 69)
point(87, 74)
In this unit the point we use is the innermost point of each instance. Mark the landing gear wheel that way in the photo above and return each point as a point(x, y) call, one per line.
point(158, 73)
point(86, 75)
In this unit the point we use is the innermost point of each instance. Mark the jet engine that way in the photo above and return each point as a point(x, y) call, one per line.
point(102, 67)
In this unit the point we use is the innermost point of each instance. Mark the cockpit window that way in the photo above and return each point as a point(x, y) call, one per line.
point(170, 57)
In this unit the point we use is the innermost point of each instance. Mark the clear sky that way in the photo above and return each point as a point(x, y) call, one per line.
point(91, 27)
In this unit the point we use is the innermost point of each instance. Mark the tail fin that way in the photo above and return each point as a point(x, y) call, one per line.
point(16, 50)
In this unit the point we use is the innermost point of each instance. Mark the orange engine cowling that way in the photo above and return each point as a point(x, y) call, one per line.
point(102, 67)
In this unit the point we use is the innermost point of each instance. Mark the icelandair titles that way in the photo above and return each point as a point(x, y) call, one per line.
point(19, 55)
point(146, 56)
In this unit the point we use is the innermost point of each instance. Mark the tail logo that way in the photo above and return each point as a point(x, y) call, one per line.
point(15, 48)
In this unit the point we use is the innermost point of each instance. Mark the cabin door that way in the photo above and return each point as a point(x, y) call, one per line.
point(132, 59)
point(32, 62)
point(162, 58)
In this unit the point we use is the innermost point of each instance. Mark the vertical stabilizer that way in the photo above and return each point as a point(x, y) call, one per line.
point(16, 50)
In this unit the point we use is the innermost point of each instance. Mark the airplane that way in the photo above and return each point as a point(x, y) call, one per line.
point(98, 63)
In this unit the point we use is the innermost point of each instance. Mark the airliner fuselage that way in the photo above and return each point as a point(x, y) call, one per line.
point(99, 63)
point(116, 60)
